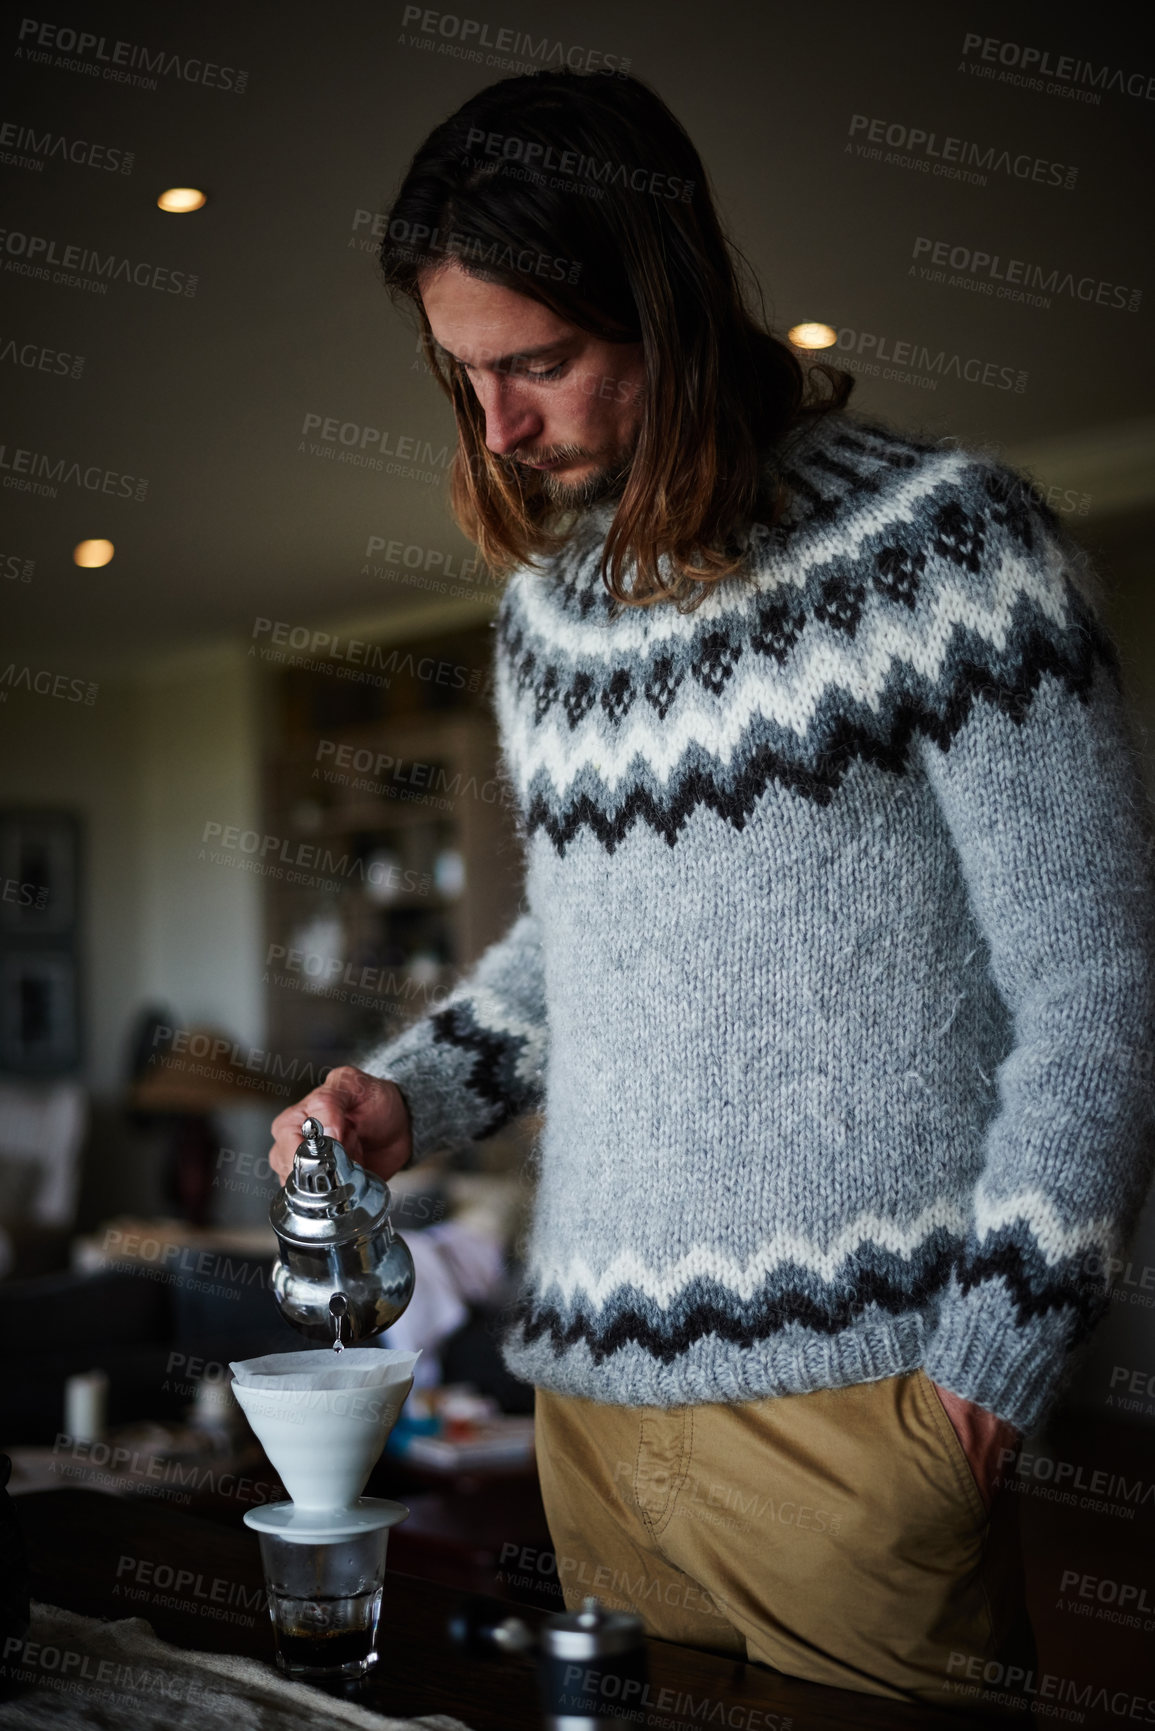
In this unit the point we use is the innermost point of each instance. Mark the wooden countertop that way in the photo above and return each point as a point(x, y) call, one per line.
point(76, 1540)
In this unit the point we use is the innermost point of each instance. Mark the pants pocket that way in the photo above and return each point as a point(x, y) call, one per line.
point(952, 1447)
point(660, 1467)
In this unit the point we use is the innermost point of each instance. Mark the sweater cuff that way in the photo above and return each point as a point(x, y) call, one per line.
point(430, 1102)
point(984, 1352)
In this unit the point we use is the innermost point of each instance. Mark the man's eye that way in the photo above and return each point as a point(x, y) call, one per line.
point(518, 372)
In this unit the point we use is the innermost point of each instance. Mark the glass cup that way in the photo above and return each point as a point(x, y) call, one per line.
point(325, 1601)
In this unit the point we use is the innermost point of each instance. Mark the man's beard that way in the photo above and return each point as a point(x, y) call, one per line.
point(606, 481)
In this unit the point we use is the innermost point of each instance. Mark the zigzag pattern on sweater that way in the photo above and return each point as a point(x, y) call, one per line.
point(792, 675)
point(794, 1295)
point(500, 1054)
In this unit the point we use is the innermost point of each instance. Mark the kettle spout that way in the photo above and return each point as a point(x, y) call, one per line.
point(338, 1310)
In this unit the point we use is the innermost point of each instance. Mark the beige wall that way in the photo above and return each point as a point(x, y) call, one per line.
point(83, 759)
point(198, 762)
point(154, 756)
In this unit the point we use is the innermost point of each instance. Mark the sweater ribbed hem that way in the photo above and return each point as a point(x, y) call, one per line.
point(712, 1370)
point(1017, 1379)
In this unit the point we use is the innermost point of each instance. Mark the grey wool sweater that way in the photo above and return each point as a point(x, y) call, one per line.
point(835, 979)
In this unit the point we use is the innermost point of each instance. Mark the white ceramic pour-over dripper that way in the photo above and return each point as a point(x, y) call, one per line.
point(324, 1440)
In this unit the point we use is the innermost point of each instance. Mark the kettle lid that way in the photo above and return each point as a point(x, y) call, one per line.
point(327, 1198)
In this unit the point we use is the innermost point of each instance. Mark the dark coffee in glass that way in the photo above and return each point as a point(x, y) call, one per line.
point(325, 1602)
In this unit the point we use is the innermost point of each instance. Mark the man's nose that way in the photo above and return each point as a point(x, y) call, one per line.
point(509, 419)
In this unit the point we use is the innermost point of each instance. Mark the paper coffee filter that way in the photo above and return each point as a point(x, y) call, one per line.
point(304, 1372)
point(323, 1424)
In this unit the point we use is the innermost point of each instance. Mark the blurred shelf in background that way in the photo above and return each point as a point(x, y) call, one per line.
point(390, 858)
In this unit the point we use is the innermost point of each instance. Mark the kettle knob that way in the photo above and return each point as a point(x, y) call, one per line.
point(320, 1166)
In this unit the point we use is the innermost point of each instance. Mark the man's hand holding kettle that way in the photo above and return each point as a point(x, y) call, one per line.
point(367, 1116)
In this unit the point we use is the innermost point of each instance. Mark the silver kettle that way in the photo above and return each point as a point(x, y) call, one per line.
point(342, 1274)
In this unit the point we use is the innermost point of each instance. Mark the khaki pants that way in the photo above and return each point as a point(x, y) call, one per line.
point(837, 1536)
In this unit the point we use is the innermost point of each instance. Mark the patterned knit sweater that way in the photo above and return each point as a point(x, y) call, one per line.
point(835, 979)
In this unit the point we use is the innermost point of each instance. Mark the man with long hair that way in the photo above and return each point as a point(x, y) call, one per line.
point(834, 978)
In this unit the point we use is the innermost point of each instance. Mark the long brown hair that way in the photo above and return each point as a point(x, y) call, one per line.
point(625, 243)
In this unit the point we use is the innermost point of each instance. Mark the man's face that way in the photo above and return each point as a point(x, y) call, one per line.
point(555, 398)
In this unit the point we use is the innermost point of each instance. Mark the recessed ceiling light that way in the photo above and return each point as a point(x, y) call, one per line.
point(181, 199)
point(813, 336)
point(93, 552)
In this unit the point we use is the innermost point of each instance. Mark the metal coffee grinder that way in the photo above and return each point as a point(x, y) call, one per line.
point(592, 1664)
point(342, 1274)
